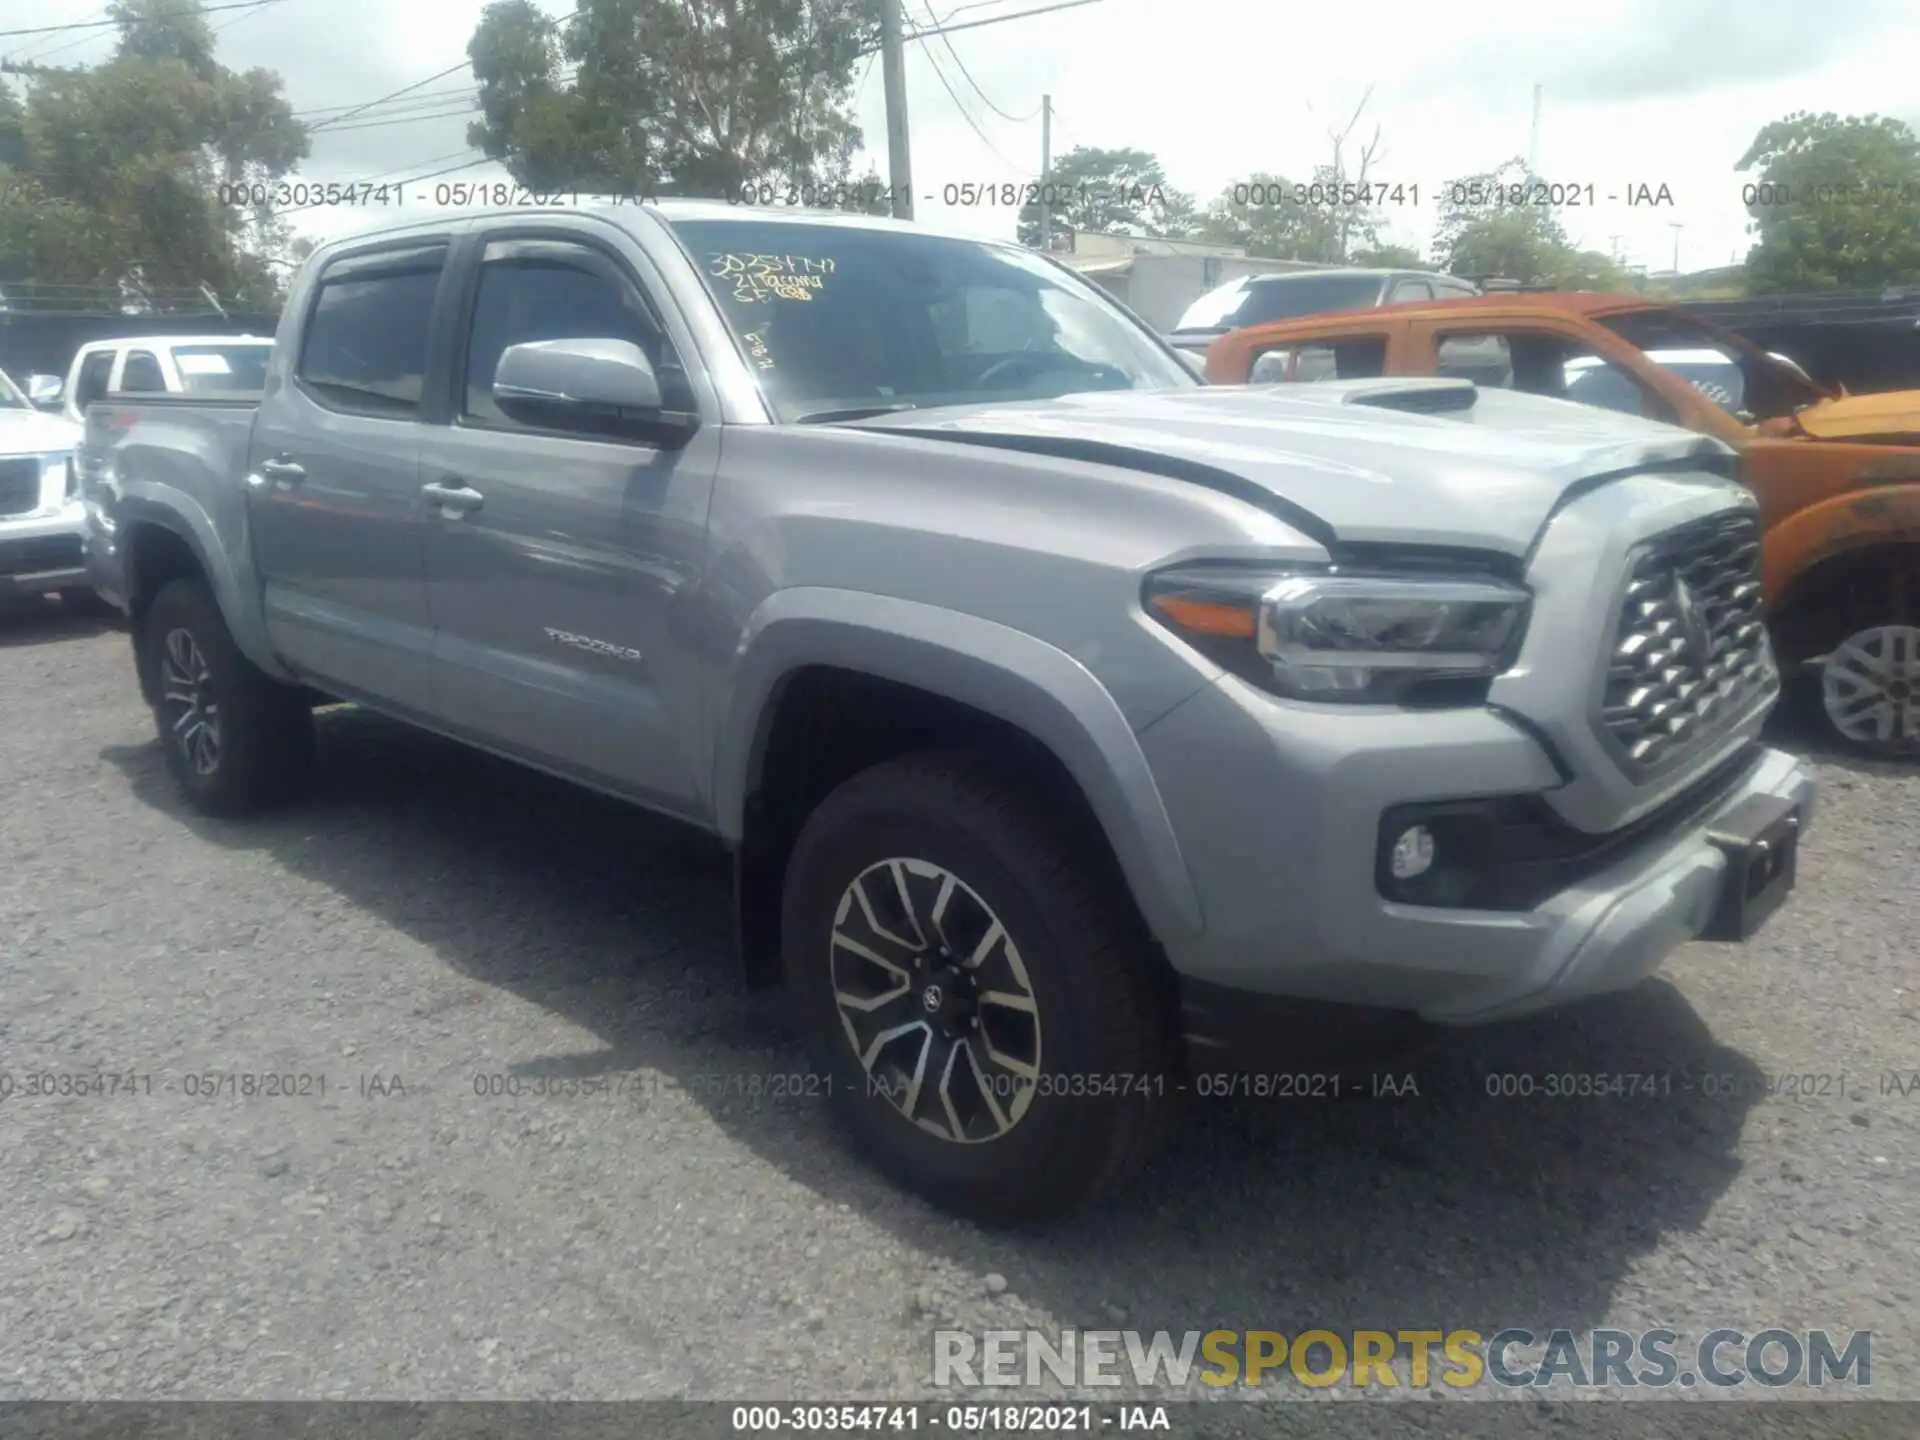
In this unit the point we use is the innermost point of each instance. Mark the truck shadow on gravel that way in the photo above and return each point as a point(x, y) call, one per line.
point(1448, 1203)
point(37, 620)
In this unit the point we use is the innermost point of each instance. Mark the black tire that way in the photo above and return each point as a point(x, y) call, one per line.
point(1105, 1019)
point(264, 739)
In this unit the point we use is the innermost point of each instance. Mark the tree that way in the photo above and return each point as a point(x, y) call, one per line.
point(1488, 226)
point(1330, 219)
point(1836, 203)
point(1266, 215)
point(111, 176)
point(1109, 192)
point(1389, 257)
point(684, 97)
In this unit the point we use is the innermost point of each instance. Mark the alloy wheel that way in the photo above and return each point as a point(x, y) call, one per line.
point(188, 708)
point(935, 1000)
point(1870, 686)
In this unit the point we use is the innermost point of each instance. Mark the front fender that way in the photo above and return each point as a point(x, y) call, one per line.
point(1870, 516)
point(995, 669)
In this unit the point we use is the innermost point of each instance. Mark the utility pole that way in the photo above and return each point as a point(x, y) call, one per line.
point(1613, 248)
point(1046, 169)
point(1533, 136)
point(1676, 227)
point(893, 73)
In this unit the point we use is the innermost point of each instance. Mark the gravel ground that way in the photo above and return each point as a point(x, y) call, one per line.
point(433, 916)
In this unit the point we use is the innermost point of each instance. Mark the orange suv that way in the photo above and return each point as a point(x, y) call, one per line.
point(1837, 476)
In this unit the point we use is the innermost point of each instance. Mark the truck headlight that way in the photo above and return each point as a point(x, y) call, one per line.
point(1367, 638)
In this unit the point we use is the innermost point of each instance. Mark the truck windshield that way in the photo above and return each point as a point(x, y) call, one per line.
point(221, 367)
point(841, 319)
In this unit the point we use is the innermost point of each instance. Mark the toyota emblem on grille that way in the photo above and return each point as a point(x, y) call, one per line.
point(1692, 625)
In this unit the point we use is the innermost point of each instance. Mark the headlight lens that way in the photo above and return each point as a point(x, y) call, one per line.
point(1370, 638)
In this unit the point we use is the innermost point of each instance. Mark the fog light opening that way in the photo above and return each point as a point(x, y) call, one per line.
point(1412, 853)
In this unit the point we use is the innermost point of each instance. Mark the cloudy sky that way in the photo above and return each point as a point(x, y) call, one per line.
point(1636, 92)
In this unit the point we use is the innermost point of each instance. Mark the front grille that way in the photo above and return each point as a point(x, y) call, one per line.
point(1690, 654)
point(20, 486)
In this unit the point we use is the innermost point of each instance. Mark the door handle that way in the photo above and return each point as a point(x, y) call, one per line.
point(454, 500)
point(283, 473)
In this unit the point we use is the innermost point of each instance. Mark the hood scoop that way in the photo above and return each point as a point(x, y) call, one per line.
point(1437, 396)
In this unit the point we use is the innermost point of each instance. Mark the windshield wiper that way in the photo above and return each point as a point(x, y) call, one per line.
point(852, 412)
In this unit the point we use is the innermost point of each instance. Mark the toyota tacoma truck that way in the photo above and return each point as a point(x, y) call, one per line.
point(1837, 476)
point(1078, 730)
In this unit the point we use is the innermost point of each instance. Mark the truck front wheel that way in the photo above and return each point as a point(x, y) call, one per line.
point(236, 740)
point(984, 1006)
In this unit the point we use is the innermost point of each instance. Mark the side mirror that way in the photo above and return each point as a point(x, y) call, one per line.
point(599, 383)
point(1270, 368)
point(44, 392)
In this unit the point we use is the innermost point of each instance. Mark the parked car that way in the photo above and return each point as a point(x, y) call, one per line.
point(1837, 476)
point(155, 365)
point(1257, 299)
point(39, 505)
point(1071, 723)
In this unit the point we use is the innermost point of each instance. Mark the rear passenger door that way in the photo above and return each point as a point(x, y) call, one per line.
point(554, 577)
point(334, 476)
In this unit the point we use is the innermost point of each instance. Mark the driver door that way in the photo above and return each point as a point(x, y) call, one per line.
point(554, 578)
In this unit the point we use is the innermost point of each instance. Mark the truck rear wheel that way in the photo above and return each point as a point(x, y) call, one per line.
point(236, 740)
point(985, 1008)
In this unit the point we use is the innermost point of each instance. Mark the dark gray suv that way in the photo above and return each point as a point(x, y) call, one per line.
point(1256, 299)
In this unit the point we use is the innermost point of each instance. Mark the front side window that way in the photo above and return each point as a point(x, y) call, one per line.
point(365, 346)
point(846, 317)
point(554, 290)
point(1545, 364)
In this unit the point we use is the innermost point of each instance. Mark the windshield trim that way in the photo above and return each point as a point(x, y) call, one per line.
point(681, 230)
point(12, 397)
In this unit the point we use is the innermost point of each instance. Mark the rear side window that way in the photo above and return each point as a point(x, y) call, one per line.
point(365, 346)
point(142, 375)
point(91, 384)
point(1362, 358)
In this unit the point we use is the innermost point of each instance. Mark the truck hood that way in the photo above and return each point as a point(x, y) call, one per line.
point(1894, 415)
point(29, 432)
point(1433, 462)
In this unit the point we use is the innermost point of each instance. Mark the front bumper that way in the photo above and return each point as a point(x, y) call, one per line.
point(42, 552)
point(1277, 809)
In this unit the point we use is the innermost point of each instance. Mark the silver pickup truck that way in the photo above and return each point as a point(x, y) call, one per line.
point(1082, 733)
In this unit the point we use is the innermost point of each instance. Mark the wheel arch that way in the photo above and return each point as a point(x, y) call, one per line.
point(932, 676)
point(157, 543)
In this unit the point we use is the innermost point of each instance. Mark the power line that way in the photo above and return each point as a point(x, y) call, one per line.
point(379, 121)
point(968, 75)
point(440, 75)
point(967, 116)
point(103, 24)
point(403, 90)
point(1002, 19)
